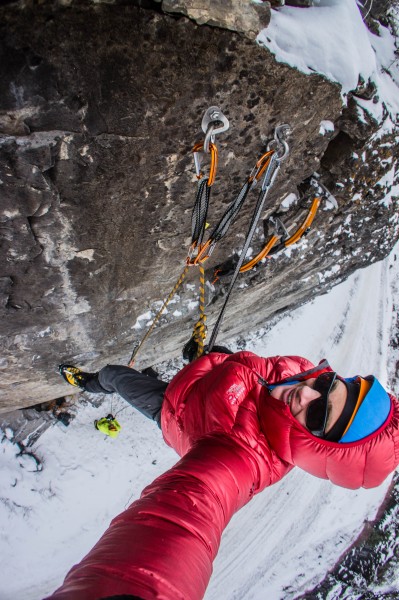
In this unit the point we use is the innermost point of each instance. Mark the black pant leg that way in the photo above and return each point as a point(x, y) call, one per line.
point(141, 391)
point(94, 387)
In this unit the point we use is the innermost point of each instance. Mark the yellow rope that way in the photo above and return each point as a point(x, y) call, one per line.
point(199, 331)
point(157, 316)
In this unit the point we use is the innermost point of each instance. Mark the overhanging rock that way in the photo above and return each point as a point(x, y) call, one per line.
point(241, 16)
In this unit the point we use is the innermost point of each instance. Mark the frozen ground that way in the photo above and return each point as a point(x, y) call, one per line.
point(281, 543)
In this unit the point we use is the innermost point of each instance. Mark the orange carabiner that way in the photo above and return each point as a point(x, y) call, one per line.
point(199, 149)
point(201, 254)
point(305, 225)
point(262, 254)
point(272, 247)
point(261, 166)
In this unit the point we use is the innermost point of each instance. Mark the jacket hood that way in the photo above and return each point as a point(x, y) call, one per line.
point(365, 462)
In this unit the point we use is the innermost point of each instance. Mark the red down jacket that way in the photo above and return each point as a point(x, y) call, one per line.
point(235, 439)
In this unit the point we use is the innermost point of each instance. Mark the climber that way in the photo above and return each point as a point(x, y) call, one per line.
point(144, 391)
point(240, 423)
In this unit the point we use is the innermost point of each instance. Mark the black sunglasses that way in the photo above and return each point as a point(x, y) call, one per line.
point(317, 411)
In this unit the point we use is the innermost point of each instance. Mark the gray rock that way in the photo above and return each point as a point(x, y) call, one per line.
point(371, 562)
point(242, 16)
point(380, 8)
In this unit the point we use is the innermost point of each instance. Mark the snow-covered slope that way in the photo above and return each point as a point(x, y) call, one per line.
point(331, 39)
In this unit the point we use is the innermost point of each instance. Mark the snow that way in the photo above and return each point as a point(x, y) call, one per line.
point(326, 127)
point(331, 39)
point(50, 519)
point(388, 181)
point(144, 317)
point(288, 201)
point(283, 541)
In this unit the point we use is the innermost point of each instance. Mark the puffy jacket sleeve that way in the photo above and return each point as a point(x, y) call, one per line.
point(164, 544)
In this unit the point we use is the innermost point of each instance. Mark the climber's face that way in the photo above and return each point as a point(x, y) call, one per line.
point(316, 403)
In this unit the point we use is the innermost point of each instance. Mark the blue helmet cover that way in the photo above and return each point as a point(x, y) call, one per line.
point(372, 413)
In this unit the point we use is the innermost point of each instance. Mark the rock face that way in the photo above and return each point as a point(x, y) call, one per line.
point(370, 566)
point(379, 8)
point(100, 106)
point(237, 15)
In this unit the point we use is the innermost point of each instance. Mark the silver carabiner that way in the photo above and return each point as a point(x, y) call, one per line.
point(210, 119)
point(271, 172)
point(209, 137)
point(280, 143)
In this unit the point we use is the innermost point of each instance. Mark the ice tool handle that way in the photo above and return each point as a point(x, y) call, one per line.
point(213, 123)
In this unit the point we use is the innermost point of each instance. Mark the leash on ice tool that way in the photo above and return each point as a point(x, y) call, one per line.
point(213, 123)
point(278, 151)
point(281, 238)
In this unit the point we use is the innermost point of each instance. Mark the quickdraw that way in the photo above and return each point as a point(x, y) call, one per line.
point(270, 170)
point(200, 211)
point(213, 123)
point(281, 238)
point(267, 167)
point(204, 250)
point(198, 251)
